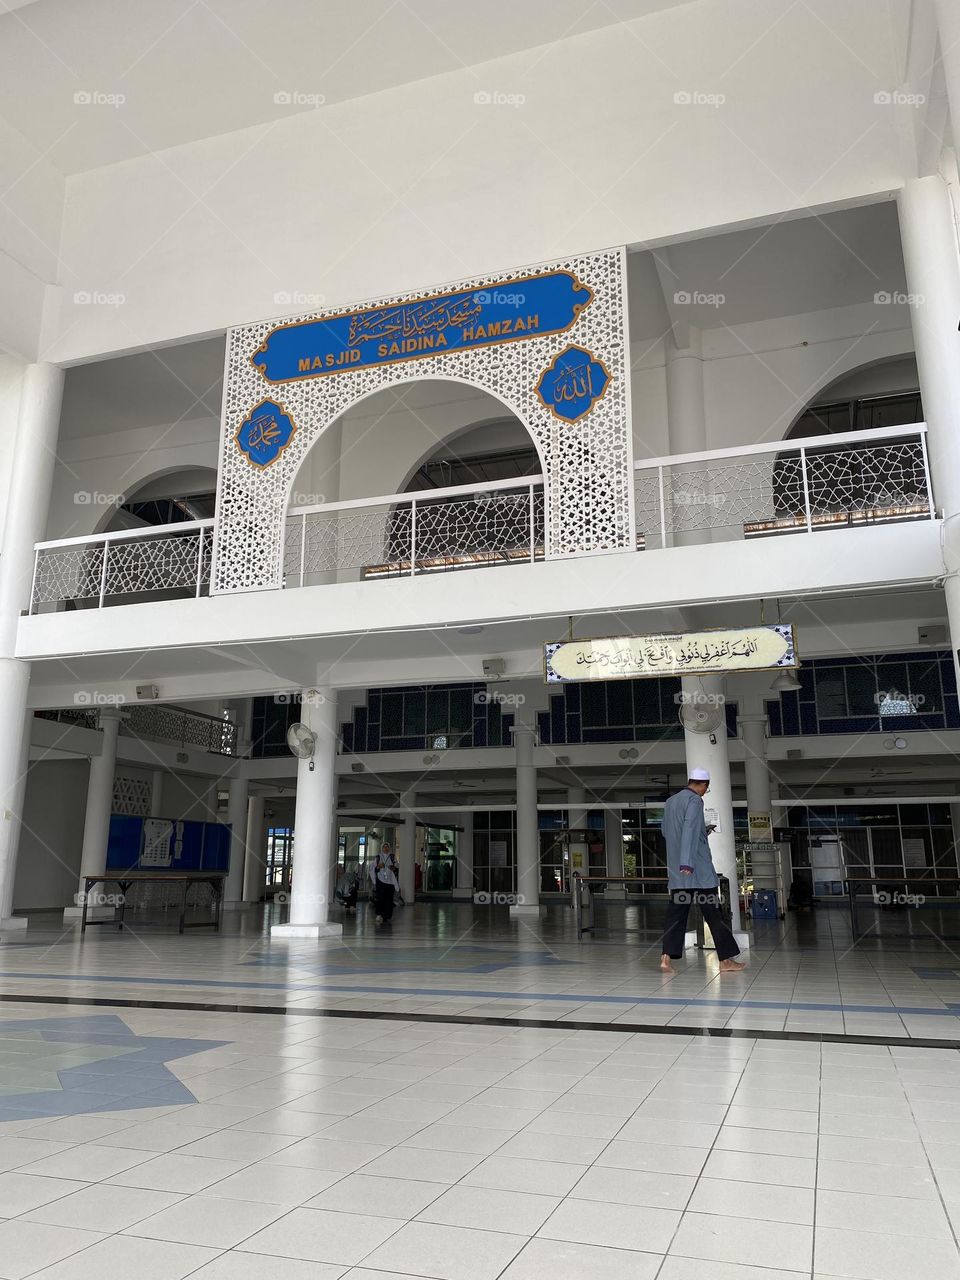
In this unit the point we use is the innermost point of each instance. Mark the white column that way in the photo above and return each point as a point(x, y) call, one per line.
point(464, 885)
point(96, 819)
point(613, 844)
point(687, 421)
point(34, 454)
point(709, 751)
point(408, 847)
point(948, 21)
point(255, 867)
point(752, 720)
point(239, 789)
point(156, 794)
point(933, 285)
point(576, 809)
point(312, 889)
point(528, 834)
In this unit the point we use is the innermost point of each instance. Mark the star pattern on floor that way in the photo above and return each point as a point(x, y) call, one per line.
point(72, 1066)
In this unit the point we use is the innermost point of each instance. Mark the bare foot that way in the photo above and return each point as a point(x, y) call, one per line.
point(731, 966)
point(665, 965)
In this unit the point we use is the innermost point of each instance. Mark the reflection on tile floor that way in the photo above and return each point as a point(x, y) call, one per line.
point(803, 975)
point(359, 1148)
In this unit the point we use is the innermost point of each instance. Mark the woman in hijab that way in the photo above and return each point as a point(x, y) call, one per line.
point(383, 873)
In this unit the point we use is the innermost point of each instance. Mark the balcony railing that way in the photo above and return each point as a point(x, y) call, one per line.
point(159, 562)
point(433, 531)
point(155, 722)
point(797, 486)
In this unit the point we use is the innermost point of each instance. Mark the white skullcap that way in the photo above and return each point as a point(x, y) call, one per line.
point(699, 775)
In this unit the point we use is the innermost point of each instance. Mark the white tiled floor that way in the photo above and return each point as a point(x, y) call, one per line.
point(362, 1148)
point(472, 1152)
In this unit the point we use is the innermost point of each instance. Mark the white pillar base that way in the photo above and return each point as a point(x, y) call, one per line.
point(516, 910)
point(93, 913)
point(327, 930)
point(689, 939)
point(238, 906)
point(13, 922)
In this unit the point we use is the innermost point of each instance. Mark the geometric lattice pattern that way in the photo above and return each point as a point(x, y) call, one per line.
point(587, 465)
point(131, 796)
point(141, 565)
point(175, 724)
point(416, 536)
point(784, 491)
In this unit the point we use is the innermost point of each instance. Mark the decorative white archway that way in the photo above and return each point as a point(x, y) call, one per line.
point(588, 460)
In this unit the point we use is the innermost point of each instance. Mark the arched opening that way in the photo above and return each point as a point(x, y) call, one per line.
point(878, 480)
point(470, 466)
point(181, 495)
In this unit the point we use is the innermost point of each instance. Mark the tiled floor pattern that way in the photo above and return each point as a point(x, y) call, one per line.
point(803, 975)
point(359, 1148)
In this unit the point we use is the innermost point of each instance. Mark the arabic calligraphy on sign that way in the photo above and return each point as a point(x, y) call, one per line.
point(572, 383)
point(760, 648)
point(264, 433)
point(528, 307)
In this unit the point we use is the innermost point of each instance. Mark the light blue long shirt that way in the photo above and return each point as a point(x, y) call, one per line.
point(685, 833)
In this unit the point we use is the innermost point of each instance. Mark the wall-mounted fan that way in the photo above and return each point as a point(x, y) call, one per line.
point(302, 741)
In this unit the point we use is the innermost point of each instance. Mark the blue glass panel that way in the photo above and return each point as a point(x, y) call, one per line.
point(573, 729)
point(543, 723)
point(862, 724)
point(951, 707)
point(346, 737)
point(790, 712)
point(480, 731)
point(558, 721)
point(373, 737)
point(731, 713)
point(572, 692)
point(808, 718)
point(373, 705)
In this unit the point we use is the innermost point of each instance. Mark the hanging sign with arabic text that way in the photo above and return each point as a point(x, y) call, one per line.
point(760, 648)
point(511, 310)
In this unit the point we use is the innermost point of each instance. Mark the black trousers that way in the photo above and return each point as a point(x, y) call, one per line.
point(383, 899)
point(675, 924)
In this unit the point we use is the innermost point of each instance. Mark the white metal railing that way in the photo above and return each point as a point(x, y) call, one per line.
point(795, 486)
point(790, 486)
point(111, 567)
point(158, 722)
point(430, 531)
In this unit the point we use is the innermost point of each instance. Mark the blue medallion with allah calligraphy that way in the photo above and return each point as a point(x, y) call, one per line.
point(265, 432)
point(508, 311)
point(572, 383)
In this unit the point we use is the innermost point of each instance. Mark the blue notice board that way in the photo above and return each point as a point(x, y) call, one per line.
point(163, 844)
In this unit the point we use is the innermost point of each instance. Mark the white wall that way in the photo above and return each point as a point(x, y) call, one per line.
point(30, 215)
point(11, 376)
point(49, 861)
point(419, 185)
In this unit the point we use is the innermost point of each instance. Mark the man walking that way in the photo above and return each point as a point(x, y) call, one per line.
point(692, 877)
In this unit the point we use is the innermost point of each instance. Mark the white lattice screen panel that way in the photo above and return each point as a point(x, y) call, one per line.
point(131, 796)
point(587, 464)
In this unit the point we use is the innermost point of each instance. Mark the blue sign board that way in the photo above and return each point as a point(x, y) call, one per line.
point(572, 383)
point(508, 311)
point(198, 846)
point(265, 432)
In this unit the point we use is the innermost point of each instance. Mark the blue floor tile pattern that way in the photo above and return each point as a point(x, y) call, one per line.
point(77, 1065)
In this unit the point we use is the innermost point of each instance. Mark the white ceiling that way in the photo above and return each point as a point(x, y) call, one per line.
point(191, 69)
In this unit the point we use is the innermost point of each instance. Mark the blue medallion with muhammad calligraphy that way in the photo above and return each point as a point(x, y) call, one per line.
point(265, 432)
point(509, 311)
point(572, 383)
